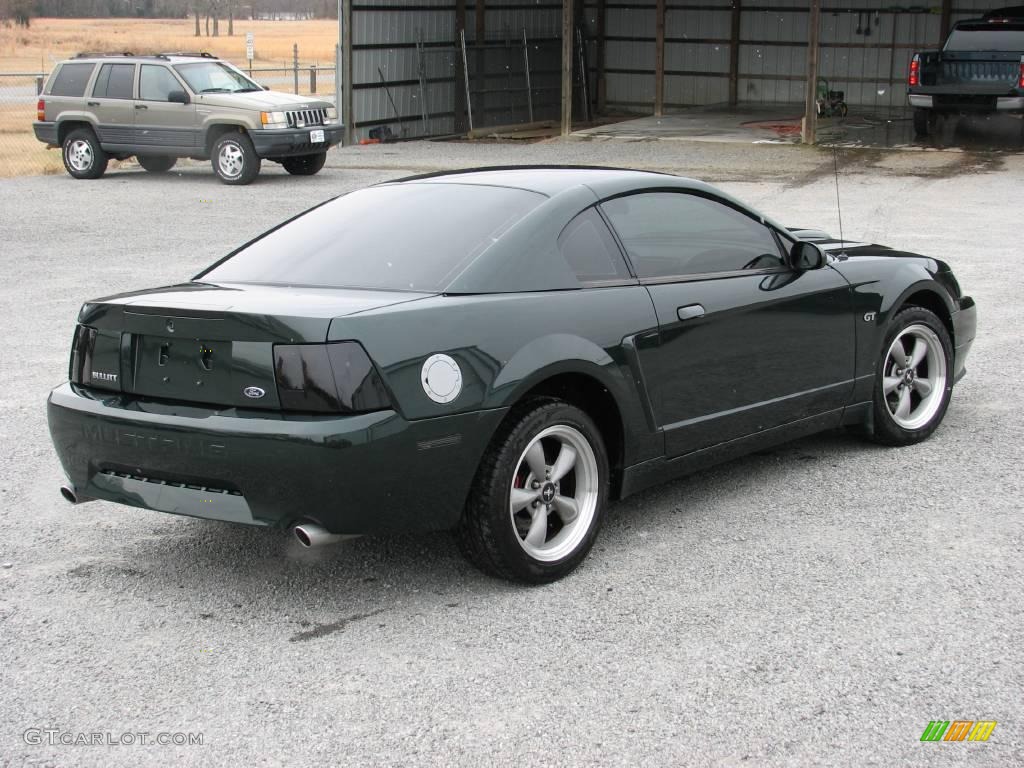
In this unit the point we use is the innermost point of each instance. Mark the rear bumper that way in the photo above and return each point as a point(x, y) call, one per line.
point(292, 142)
point(45, 132)
point(968, 103)
point(354, 474)
point(965, 325)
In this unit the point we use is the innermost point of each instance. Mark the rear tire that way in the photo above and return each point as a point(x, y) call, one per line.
point(304, 165)
point(156, 163)
point(924, 121)
point(234, 159)
point(83, 156)
point(915, 378)
point(539, 495)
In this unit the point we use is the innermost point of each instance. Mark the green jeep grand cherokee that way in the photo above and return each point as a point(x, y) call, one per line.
point(171, 105)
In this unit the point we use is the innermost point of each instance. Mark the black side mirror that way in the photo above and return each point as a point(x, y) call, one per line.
point(806, 256)
point(178, 97)
point(265, 87)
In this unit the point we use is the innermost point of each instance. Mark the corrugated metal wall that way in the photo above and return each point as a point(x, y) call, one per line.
point(411, 46)
point(865, 50)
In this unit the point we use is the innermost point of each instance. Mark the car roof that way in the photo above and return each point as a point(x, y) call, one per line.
point(550, 180)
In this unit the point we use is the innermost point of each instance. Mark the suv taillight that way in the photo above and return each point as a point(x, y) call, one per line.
point(915, 71)
point(328, 378)
point(41, 110)
point(1020, 83)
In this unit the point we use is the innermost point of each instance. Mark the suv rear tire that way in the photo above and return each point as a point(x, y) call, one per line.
point(304, 165)
point(234, 159)
point(156, 163)
point(83, 156)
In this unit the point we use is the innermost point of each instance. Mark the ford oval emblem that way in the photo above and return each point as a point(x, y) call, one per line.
point(254, 392)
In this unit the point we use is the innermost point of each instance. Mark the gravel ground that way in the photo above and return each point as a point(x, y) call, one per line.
point(816, 604)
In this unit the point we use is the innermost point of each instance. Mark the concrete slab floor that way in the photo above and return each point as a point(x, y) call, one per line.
point(780, 124)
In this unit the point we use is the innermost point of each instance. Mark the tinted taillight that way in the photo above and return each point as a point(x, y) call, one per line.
point(82, 345)
point(40, 110)
point(915, 71)
point(328, 378)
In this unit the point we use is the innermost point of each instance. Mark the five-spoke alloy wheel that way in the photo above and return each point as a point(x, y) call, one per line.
point(914, 378)
point(539, 496)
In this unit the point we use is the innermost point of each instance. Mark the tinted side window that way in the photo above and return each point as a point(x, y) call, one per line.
point(156, 82)
point(71, 80)
point(669, 233)
point(114, 81)
point(590, 251)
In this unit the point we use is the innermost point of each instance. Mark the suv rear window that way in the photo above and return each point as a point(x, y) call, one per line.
point(71, 80)
point(412, 236)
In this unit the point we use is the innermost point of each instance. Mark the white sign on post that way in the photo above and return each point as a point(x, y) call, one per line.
point(250, 43)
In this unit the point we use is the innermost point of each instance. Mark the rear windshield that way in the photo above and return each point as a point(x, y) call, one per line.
point(989, 38)
point(71, 80)
point(412, 236)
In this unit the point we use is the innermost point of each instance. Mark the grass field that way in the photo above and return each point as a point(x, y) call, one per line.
point(48, 41)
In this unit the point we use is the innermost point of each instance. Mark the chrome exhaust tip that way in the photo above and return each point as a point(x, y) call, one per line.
point(71, 496)
point(313, 535)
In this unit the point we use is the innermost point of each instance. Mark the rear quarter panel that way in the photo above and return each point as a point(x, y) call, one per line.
point(507, 344)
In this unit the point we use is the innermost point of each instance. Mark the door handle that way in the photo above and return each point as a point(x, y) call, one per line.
point(141, 106)
point(92, 103)
point(690, 312)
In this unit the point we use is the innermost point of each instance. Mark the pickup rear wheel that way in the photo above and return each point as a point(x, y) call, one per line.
point(539, 495)
point(83, 156)
point(924, 121)
point(234, 159)
point(156, 163)
point(304, 165)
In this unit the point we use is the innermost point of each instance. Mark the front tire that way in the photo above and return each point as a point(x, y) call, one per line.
point(83, 156)
point(304, 165)
point(539, 496)
point(234, 159)
point(914, 380)
point(156, 163)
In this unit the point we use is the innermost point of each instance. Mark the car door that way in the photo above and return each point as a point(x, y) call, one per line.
point(111, 103)
point(159, 122)
point(745, 342)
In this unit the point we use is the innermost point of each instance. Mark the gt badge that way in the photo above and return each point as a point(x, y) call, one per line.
point(441, 378)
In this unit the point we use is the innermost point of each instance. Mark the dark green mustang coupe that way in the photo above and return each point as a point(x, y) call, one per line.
point(498, 352)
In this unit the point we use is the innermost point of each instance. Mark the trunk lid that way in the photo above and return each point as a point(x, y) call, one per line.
point(212, 344)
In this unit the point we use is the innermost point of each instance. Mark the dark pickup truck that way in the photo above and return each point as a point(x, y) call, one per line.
point(980, 69)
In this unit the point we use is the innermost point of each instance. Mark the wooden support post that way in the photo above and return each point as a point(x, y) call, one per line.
point(460, 74)
point(946, 20)
point(734, 54)
point(811, 96)
point(567, 48)
point(346, 72)
point(480, 62)
point(659, 57)
point(602, 85)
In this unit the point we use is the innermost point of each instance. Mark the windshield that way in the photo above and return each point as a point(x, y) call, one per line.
point(412, 236)
point(214, 77)
point(990, 38)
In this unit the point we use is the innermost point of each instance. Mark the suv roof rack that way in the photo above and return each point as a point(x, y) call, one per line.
point(99, 54)
point(193, 54)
